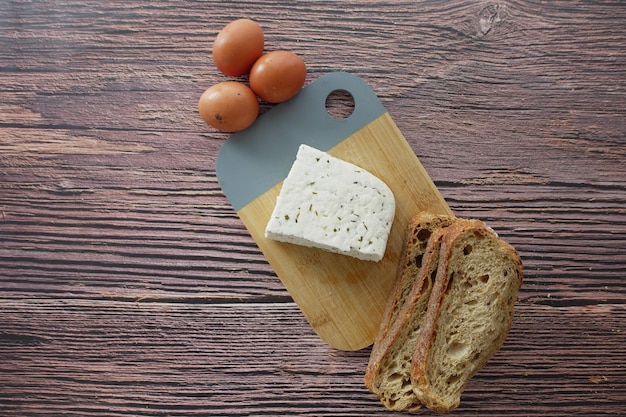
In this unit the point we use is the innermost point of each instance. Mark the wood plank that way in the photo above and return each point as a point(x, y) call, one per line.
point(145, 358)
point(128, 286)
point(136, 246)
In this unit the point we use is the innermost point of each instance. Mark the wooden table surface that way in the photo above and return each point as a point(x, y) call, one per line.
point(129, 286)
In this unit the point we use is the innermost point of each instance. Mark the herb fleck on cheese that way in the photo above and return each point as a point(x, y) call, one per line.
point(348, 210)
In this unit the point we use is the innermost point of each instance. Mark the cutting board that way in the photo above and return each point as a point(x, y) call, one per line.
point(343, 298)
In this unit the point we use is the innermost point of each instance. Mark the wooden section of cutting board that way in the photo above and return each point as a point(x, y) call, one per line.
point(343, 298)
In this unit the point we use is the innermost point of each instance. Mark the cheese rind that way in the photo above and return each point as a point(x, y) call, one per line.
point(331, 204)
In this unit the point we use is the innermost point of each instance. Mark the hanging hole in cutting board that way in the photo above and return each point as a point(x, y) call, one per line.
point(340, 104)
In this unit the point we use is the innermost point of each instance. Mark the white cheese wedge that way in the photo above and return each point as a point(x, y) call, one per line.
point(331, 204)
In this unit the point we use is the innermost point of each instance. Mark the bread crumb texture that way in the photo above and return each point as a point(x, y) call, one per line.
point(449, 313)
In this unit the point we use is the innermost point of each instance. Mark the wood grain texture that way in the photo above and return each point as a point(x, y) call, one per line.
point(128, 285)
point(150, 358)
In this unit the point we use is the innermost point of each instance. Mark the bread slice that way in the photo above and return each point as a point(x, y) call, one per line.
point(469, 313)
point(412, 287)
point(388, 374)
point(418, 233)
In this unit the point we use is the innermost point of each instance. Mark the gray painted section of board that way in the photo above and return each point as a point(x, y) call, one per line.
point(254, 160)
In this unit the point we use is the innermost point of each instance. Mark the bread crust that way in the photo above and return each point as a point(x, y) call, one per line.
point(407, 299)
point(438, 331)
point(414, 247)
point(441, 282)
point(423, 355)
point(401, 337)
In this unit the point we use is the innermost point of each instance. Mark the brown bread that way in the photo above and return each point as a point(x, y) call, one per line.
point(388, 373)
point(418, 232)
point(469, 313)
